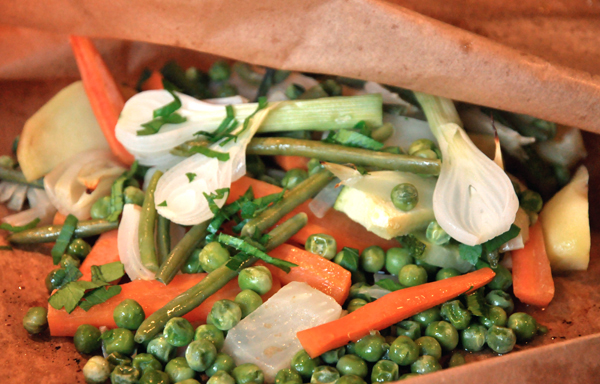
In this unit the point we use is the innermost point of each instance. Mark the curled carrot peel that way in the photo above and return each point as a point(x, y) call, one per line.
point(388, 310)
point(103, 92)
point(532, 277)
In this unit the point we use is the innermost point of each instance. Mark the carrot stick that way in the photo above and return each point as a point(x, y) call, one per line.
point(153, 82)
point(346, 232)
point(59, 219)
point(313, 270)
point(102, 91)
point(291, 162)
point(388, 310)
point(103, 252)
point(532, 277)
point(151, 295)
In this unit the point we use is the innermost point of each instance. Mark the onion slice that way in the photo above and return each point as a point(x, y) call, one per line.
point(40, 208)
point(128, 244)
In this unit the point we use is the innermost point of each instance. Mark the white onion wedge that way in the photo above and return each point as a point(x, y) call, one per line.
point(128, 244)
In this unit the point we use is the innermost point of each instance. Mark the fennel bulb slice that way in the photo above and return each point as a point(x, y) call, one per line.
point(474, 200)
point(267, 337)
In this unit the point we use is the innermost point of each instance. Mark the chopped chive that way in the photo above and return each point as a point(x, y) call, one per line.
point(243, 246)
point(14, 229)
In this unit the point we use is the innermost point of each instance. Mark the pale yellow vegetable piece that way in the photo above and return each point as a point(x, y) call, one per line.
point(63, 127)
point(566, 224)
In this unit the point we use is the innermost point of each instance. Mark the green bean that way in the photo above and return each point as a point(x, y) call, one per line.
point(147, 224)
point(214, 281)
point(305, 190)
point(163, 238)
point(181, 252)
point(49, 233)
point(342, 154)
point(18, 177)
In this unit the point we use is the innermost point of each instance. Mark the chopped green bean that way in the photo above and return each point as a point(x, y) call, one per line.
point(147, 224)
point(163, 238)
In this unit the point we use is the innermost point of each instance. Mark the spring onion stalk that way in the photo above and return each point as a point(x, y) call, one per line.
point(324, 114)
point(474, 200)
point(18, 177)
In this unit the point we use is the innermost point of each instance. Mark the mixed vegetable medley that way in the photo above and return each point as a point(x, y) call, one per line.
point(250, 225)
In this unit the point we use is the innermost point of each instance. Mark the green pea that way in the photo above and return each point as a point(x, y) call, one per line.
point(396, 258)
point(403, 351)
point(160, 348)
point(455, 312)
point(227, 90)
point(396, 150)
point(179, 370)
point(146, 362)
point(225, 314)
point(347, 258)
point(129, 314)
point(293, 177)
point(314, 166)
point(96, 370)
point(384, 371)
point(219, 71)
point(333, 356)
point(220, 377)
point(124, 374)
point(350, 379)
point(496, 316)
point(430, 269)
point(408, 376)
point(304, 364)
point(154, 377)
point(101, 208)
point(211, 333)
point(502, 280)
point(55, 278)
point(322, 245)
point(426, 317)
point(350, 348)
point(178, 332)
point(87, 339)
point(425, 364)
point(248, 374)
point(531, 201)
point(372, 259)
point(405, 196)
point(500, 299)
point(258, 279)
point(192, 264)
point(223, 362)
point(412, 275)
point(473, 337)
point(419, 145)
point(429, 346)
point(332, 87)
point(371, 347)
point(249, 301)
point(352, 365)
point(426, 154)
point(117, 358)
point(408, 328)
point(67, 261)
point(200, 355)
point(288, 376)
point(134, 195)
point(36, 320)
point(500, 339)
point(446, 273)
point(456, 360)
point(523, 325)
point(436, 234)
point(354, 304)
point(293, 91)
point(79, 248)
point(324, 374)
point(212, 256)
point(118, 340)
point(444, 333)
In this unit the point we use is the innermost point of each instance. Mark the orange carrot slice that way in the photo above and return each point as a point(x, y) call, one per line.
point(532, 277)
point(291, 162)
point(151, 295)
point(103, 252)
point(388, 310)
point(153, 82)
point(314, 270)
point(59, 219)
point(346, 232)
point(102, 91)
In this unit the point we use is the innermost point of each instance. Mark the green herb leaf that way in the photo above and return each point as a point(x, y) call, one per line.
point(14, 229)
point(68, 296)
point(117, 201)
point(64, 238)
point(476, 303)
point(412, 244)
point(163, 204)
point(262, 104)
point(498, 241)
point(361, 127)
point(243, 246)
point(108, 272)
point(251, 208)
point(98, 296)
point(219, 194)
point(470, 253)
point(153, 126)
point(236, 262)
point(221, 156)
point(191, 176)
point(349, 259)
point(72, 273)
point(389, 284)
point(168, 109)
point(356, 140)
